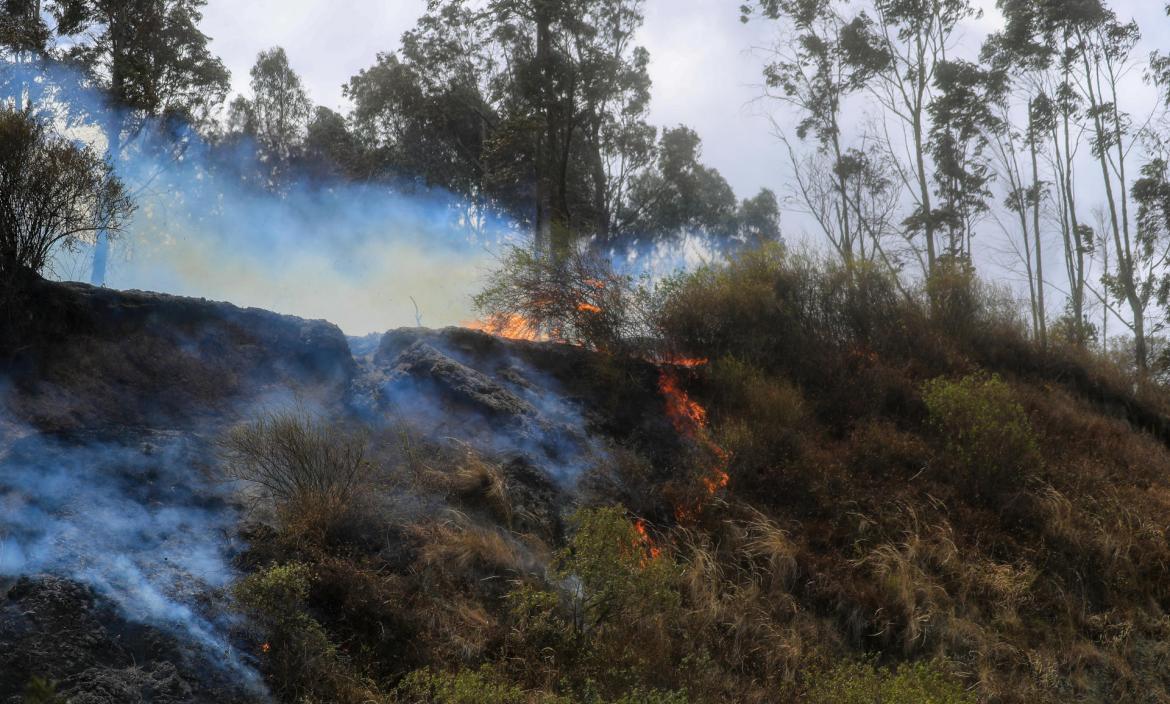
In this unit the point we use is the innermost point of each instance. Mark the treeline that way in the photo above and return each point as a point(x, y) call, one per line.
point(531, 110)
point(1010, 138)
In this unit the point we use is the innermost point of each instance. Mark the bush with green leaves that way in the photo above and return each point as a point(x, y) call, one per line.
point(610, 616)
point(482, 686)
point(296, 649)
point(987, 437)
point(865, 683)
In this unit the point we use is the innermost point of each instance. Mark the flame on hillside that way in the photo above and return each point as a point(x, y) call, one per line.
point(644, 536)
point(690, 420)
point(508, 325)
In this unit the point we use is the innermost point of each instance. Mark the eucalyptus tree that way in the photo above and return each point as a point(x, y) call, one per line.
point(540, 103)
point(24, 36)
point(900, 48)
point(961, 118)
point(814, 69)
point(277, 115)
point(1039, 50)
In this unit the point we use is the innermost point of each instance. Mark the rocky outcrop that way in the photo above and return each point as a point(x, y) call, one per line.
point(95, 357)
point(63, 632)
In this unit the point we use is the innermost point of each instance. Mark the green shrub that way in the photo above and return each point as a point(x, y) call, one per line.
point(481, 686)
point(610, 619)
point(41, 691)
point(989, 442)
point(296, 650)
point(863, 683)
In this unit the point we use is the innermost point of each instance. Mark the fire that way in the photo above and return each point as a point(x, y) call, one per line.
point(508, 325)
point(690, 420)
point(588, 308)
point(264, 647)
point(644, 536)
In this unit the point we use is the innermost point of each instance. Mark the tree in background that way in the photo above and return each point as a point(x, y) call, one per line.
point(277, 115)
point(53, 193)
point(154, 65)
point(23, 36)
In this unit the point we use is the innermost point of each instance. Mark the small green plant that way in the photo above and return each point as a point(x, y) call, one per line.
point(865, 683)
point(482, 686)
point(611, 616)
point(41, 691)
point(296, 649)
point(988, 439)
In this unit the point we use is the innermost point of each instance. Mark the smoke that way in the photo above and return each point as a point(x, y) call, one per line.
point(496, 403)
point(133, 518)
point(209, 224)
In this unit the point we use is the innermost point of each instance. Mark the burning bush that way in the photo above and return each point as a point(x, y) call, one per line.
point(576, 297)
point(988, 438)
point(312, 468)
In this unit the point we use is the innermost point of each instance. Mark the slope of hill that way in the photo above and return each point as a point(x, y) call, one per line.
point(859, 496)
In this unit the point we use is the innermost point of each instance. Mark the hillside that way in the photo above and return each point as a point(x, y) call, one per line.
point(840, 497)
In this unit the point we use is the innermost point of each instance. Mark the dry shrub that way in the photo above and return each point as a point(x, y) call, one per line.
point(459, 548)
point(880, 449)
point(314, 470)
point(573, 296)
point(473, 481)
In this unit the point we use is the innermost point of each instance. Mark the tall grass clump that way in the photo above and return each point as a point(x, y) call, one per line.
point(313, 469)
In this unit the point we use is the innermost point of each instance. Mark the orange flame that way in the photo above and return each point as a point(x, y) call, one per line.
point(508, 325)
point(690, 420)
point(588, 308)
point(644, 536)
point(264, 647)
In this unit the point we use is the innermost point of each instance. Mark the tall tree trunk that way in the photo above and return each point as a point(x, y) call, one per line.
point(1042, 329)
point(545, 147)
point(101, 252)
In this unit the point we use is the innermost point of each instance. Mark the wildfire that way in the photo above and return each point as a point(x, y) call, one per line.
point(510, 326)
point(690, 420)
point(265, 647)
point(588, 308)
point(647, 541)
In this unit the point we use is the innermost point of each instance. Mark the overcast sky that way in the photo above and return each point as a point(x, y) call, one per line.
point(704, 71)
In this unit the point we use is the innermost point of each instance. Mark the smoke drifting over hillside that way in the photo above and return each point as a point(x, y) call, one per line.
point(135, 519)
point(208, 225)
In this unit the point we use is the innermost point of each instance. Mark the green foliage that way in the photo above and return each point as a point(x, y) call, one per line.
point(296, 650)
point(610, 620)
point(41, 691)
point(863, 683)
point(483, 686)
point(619, 580)
point(988, 438)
